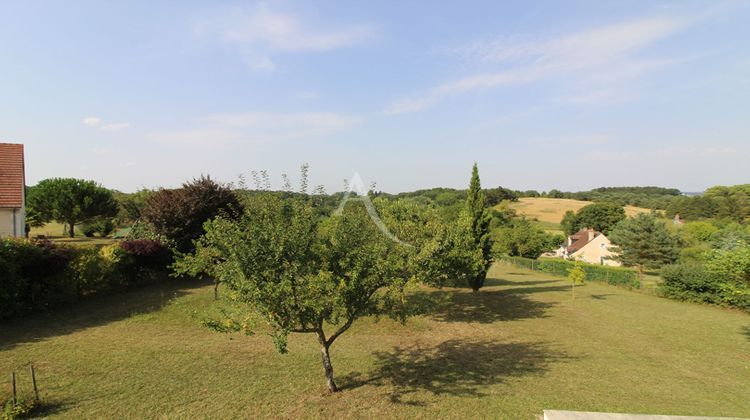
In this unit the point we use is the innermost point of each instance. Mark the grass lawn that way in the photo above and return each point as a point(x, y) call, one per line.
point(552, 210)
point(57, 233)
point(521, 345)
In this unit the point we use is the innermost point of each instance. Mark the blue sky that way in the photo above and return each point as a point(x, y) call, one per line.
point(570, 95)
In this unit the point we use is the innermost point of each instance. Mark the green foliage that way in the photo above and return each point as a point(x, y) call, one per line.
point(451, 258)
point(717, 282)
point(38, 275)
point(178, 215)
point(601, 217)
point(478, 221)
point(21, 409)
point(692, 208)
point(569, 223)
point(143, 230)
point(694, 254)
point(447, 197)
point(576, 274)
point(558, 267)
point(698, 232)
point(301, 273)
point(494, 196)
point(102, 226)
point(731, 202)
point(730, 265)
point(730, 236)
point(132, 205)
point(649, 197)
point(524, 239)
point(644, 241)
point(70, 201)
point(720, 202)
point(502, 216)
point(554, 193)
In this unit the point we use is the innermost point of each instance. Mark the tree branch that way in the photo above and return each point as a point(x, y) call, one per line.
point(341, 330)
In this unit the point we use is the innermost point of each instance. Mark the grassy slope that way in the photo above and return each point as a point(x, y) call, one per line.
point(520, 346)
point(549, 211)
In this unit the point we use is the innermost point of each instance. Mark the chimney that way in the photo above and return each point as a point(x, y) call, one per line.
point(591, 234)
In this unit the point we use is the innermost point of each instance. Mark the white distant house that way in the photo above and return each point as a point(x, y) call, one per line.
point(12, 185)
point(589, 246)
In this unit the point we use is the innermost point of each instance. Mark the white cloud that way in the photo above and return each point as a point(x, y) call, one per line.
point(114, 127)
point(596, 60)
point(259, 31)
point(91, 121)
point(96, 122)
point(258, 128)
point(262, 62)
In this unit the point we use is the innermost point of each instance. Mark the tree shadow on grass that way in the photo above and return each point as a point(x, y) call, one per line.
point(454, 367)
point(746, 331)
point(93, 311)
point(48, 408)
point(504, 282)
point(486, 306)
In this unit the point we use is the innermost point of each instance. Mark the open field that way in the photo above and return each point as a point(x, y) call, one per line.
point(51, 229)
point(56, 232)
point(520, 346)
point(549, 211)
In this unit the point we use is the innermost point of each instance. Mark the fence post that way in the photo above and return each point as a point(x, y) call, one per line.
point(33, 383)
point(13, 389)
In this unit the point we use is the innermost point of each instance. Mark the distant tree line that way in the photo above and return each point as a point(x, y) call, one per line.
point(719, 202)
point(648, 197)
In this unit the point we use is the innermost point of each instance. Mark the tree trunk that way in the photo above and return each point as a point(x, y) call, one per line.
point(328, 368)
point(71, 230)
point(216, 288)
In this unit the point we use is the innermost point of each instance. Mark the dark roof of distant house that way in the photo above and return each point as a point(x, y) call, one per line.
point(11, 175)
point(580, 239)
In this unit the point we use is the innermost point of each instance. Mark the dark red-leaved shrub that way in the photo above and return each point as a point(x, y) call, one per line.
point(179, 214)
point(148, 253)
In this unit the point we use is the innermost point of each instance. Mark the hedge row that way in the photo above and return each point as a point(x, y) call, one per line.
point(38, 275)
point(693, 282)
point(560, 267)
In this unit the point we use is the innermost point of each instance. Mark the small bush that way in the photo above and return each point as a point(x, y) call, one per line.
point(88, 230)
point(21, 409)
point(142, 258)
point(148, 252)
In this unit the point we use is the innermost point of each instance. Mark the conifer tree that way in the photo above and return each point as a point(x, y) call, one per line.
point(478, 223)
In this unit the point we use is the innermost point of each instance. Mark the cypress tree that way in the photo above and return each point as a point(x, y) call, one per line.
point(479, 229)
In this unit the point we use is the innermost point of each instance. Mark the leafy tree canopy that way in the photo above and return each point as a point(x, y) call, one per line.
point(521, 238)
point(70, 201)
point(644, 242)
point(179, 214)
point(306, 274)
point(598, 216)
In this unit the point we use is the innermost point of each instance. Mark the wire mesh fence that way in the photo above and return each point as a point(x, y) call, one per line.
point(559, 267)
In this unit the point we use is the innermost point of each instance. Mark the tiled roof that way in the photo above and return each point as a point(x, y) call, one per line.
point(11, 175)
point(580, 239)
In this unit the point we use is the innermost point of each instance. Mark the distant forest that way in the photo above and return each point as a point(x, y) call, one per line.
point(719, 202)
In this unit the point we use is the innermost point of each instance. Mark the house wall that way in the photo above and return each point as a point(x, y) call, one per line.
point(7, 221)
point(596, 252)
